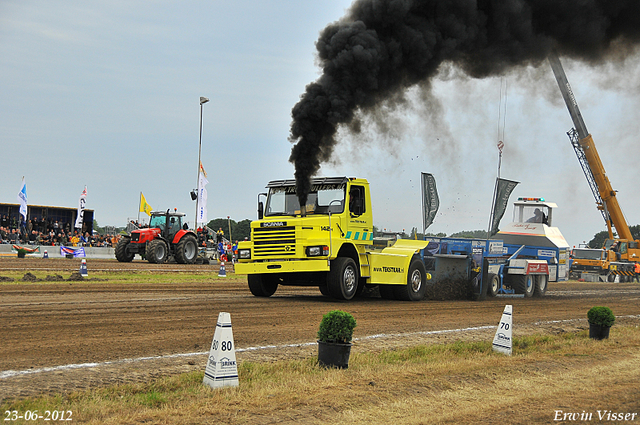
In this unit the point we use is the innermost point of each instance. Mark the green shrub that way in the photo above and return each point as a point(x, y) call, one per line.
point(601, 316)
point(336, 327)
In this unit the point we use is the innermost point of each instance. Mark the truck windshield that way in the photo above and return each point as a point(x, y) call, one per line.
point(321, 200)
point(588, 254)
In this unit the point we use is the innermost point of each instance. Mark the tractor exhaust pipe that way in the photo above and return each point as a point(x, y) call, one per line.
point(303, 211)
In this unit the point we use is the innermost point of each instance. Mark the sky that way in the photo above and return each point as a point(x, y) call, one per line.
point(106, 95)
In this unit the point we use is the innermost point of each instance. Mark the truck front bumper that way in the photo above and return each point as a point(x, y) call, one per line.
point(288, 266)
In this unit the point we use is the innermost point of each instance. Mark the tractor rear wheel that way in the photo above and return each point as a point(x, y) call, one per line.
point(186, 250)
point(122, 254)
point(262, 285)
point(157, 251)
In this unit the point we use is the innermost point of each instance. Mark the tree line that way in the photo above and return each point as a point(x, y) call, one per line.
point(599, 238)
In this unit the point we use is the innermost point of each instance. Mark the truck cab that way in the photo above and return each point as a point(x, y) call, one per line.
point(336, 206)
point(621, 255)
point(587, 262)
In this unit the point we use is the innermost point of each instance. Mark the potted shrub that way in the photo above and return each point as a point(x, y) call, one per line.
point(600, 321)
point(334, 339)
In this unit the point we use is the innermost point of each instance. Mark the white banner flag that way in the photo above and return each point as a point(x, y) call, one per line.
point(83, 200)
point(22, 199)
point(202, 198)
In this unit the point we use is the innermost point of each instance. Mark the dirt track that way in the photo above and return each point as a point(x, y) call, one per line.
point(55, 324)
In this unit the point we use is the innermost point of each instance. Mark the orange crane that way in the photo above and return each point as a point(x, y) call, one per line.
point(625, 249)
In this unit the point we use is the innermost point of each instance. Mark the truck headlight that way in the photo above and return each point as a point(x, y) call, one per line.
point(317, 251)
point(244, 254)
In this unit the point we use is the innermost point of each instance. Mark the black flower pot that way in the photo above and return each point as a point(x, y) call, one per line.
point(598, 332)
point(21, 254)
point(334, 354)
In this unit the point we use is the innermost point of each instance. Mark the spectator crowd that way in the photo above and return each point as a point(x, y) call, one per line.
point(49, 232)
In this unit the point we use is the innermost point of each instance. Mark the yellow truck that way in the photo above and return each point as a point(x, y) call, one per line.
point(590, 264)
point(327, 243)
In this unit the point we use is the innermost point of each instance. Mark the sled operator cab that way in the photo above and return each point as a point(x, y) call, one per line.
point(533, 225)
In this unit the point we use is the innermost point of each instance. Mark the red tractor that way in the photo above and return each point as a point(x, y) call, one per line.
point(164, 237)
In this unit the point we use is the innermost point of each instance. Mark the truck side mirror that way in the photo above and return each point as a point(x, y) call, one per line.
point(260, 210)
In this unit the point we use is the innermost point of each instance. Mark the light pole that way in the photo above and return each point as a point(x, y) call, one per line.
point(203, 100)
point(229, 222)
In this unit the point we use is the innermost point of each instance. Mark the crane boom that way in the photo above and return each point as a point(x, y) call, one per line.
point(589, 159)
point(567, 94)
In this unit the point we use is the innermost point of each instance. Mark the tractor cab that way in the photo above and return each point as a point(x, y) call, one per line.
point(169, 223)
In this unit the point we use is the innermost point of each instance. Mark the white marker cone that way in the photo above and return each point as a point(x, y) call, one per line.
point(222, 272)
point(221, 369)
point(83, 268)
point(46, 254)
point(502, 342)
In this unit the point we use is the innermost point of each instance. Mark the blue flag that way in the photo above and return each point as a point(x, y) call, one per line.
point(22, 199)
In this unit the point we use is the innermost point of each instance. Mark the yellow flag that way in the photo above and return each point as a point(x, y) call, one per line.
point(144, 207)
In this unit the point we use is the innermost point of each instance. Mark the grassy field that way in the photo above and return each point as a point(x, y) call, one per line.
point(547, 377)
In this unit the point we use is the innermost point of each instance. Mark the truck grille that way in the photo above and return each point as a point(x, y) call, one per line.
point(274, 242)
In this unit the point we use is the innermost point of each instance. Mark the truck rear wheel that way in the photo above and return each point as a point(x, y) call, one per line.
point(493, 284)
point(187, 250)
point(122, 254)
point(262, 285)
point(342, 280)
point(524, 284)
point(157, 251)
point(541, 285)
point(416, 283)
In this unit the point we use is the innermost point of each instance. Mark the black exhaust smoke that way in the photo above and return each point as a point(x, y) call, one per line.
point(382, 47)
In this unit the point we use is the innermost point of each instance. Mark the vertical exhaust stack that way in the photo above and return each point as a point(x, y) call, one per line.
point(303, 210)
point(383, 47)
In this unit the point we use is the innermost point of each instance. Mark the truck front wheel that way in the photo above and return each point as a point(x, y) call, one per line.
point(342, 280)
point(416, 283)
point(262, 285)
